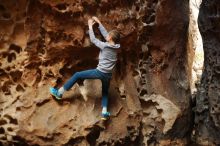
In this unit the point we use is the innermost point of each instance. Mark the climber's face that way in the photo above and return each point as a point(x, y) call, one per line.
point(108, 38)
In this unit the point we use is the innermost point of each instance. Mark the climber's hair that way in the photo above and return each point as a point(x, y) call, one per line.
point(115, 35)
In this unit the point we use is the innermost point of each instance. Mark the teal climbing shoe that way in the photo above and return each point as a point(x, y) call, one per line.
point(105, 116)
point(55, 93)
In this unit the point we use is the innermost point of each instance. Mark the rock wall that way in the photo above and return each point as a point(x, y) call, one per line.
point(44, 42)
point(195, 46)
point(207, 101)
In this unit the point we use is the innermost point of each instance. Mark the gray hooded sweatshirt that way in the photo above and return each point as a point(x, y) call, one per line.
point(108, 52)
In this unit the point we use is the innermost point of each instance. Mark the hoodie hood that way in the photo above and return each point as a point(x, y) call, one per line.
point(114, 46)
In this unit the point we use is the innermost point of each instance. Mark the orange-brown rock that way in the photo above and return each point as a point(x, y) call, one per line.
point(45, 41)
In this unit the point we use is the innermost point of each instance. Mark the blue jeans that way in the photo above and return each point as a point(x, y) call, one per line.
point(92, 74)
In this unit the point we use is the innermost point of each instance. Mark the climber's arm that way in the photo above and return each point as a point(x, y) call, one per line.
point(102, 29)
point(93, 39)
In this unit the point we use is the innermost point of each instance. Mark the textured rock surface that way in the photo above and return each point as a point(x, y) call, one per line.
point(45, 41)
point(195, 46)
point(207, 100)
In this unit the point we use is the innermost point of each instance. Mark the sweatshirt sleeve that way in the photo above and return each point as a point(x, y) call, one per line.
point(94, 40)
point(103, 30)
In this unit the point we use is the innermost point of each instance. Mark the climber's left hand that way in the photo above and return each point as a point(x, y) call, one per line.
point(90, 22)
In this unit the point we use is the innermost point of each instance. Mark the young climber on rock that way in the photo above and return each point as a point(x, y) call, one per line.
point(107, 61)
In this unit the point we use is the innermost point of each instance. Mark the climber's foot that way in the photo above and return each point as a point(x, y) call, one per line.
point(55, 93)
point(105, 116)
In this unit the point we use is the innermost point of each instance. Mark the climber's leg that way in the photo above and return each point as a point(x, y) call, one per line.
point(105, 88)
point(87, 74)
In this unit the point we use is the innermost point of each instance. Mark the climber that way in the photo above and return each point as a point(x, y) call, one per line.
point(107, 61)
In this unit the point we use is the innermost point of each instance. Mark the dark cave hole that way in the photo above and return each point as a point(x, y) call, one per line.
point(11, 57)
point(97, 1)
point(10, 129)
point(6, 90)
point(93, 135)
point(143, 71)
point(41, 50)
point(2, 72)
point(3, 122)
point(19, 88)
point(6, 15)
point(4, 138)
point(20, 141)
point(16, 75)
point(152, 141)
point(61, 6)
point(2, 130)
point(141, 55)
point(143, 92)
point(12, 120)
point(15, 48)
point(151, 18)
point(135, 73)
point(2, 8)
point(123, 96)
point(143, 82)
point(140, 64)
point(137, 8)
point(138, 89)
point(160, 111)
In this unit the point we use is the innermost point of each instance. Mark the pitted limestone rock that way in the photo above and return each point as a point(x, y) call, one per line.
point(44, 42)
